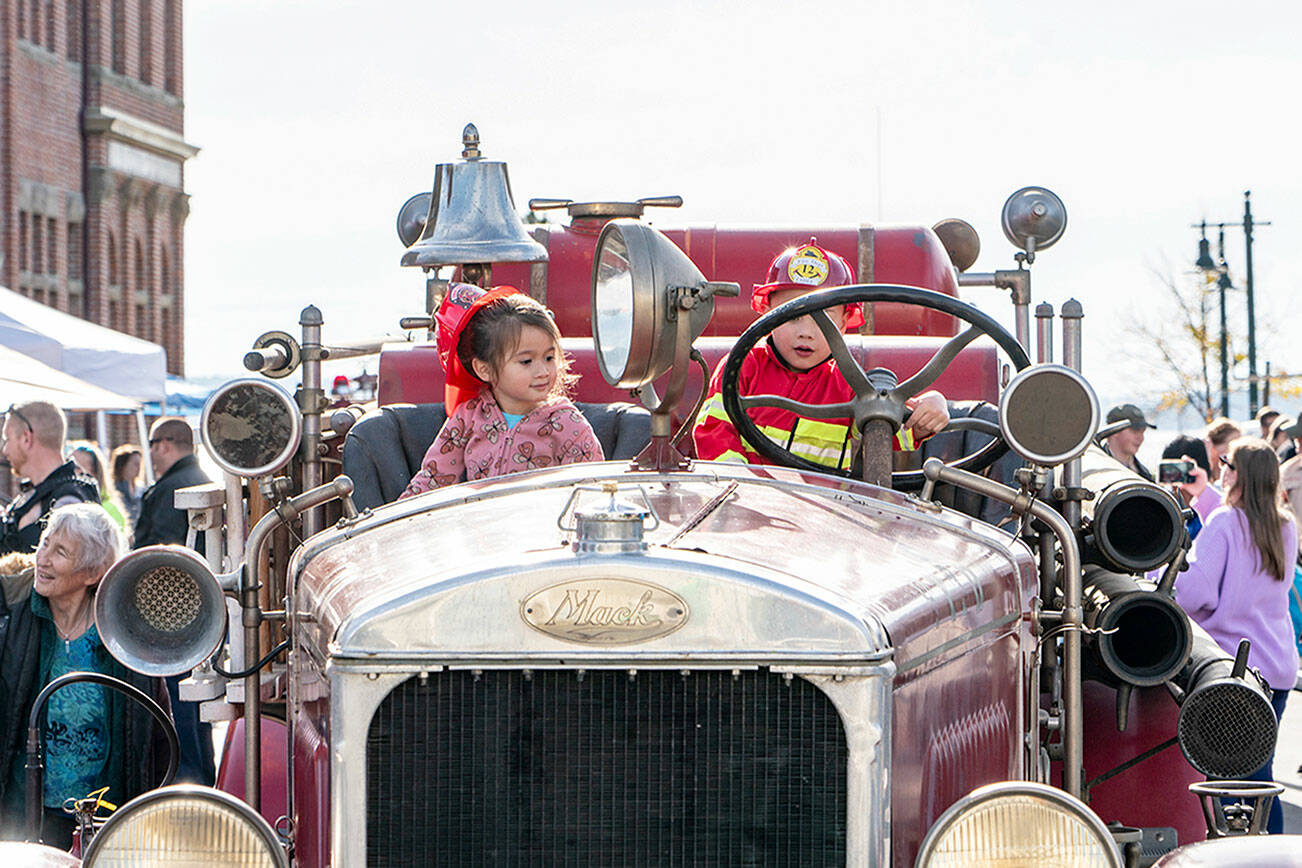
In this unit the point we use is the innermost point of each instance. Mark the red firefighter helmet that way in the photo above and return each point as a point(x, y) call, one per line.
point(462, 301)
point(807, 268)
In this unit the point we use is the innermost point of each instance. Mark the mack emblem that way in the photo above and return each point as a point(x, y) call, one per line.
point(604, 611)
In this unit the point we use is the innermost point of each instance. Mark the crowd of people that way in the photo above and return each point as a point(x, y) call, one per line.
point(69, 523)
point(1244, 491)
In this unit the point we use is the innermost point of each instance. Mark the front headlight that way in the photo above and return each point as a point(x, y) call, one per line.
point(185, 825)
point(1018, 823)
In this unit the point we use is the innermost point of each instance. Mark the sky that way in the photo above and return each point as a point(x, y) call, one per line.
point(317, 119)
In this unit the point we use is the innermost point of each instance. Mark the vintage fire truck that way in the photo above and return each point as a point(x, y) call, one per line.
point(948, 657)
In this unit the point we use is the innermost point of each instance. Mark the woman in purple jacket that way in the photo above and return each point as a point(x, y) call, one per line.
point(1239, 571)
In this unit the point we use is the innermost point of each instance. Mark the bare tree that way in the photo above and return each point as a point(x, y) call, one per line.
point(1184, 334)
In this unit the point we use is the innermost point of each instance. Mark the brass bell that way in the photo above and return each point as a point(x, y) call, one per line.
point(471, 217)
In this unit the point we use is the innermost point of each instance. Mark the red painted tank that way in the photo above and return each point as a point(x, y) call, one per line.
point(909, 255)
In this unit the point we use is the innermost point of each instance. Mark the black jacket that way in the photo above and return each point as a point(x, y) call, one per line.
point(65, 481)
point(160, 521)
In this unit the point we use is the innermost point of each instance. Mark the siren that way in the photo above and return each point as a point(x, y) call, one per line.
point(1142, 637)
point(1132, 524)
point(1227, 727)
point(471, 217)
point(160, 610)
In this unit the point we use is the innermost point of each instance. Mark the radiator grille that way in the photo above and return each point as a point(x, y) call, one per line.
point(597, 768)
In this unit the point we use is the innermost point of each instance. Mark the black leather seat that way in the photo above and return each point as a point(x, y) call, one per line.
point(384, 449)
point(949, 445)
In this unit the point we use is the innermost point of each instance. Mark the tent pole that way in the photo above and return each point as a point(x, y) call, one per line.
point(146, 462)
point(101, 431)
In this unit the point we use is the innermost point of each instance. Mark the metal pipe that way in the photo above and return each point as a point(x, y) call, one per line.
point(35, 767)
point(1044, 332)
point(311, 402)
point(1072, 314)
point(269, 358)
point(234, 521)
point(259, 537)
point(1071, 620)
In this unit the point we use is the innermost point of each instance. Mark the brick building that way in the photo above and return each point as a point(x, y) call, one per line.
point(92, 162)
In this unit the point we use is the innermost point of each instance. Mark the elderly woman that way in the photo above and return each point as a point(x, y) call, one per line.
point(94, 737)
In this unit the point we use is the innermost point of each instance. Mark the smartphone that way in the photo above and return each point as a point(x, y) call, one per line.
point(1175, 470)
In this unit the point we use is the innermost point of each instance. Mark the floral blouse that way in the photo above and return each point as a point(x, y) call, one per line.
point(475, 442)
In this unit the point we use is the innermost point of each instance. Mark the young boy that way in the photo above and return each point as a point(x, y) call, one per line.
point(796, 362)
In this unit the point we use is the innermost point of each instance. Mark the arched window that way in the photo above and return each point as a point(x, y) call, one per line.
point(147, 41)
point(138, 270)
point(114, 278)
point(140, 284)
point(165, 331)
point(164, 273)
point(171, 48)
point(118, 33)
point(72, 29)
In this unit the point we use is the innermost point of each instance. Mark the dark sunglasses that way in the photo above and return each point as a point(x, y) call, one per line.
point(13, 411)
point(1225, 461)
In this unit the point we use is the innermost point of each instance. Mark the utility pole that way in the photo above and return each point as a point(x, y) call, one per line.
point(1252, 311)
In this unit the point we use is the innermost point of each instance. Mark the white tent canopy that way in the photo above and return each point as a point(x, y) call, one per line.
point(99, 356)
point(23, 378)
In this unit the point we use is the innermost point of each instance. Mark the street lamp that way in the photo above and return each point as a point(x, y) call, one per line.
point(1205, 264)
point(1208, 267)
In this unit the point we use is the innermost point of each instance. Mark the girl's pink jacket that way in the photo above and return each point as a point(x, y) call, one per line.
point(475, 442)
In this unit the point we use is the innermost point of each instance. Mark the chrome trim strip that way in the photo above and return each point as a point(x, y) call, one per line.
point(913, 663)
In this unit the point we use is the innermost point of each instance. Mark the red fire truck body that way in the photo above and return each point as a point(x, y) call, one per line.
point(660, 661)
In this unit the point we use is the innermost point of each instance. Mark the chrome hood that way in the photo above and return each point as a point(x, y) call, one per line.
point(747, 563)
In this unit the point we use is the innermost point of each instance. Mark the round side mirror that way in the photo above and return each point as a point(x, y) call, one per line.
point(250, 427)
point(1048, 414)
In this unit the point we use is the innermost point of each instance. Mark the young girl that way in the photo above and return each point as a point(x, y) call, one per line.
point(504, 394)
point(1240, 572)
point(90, 459)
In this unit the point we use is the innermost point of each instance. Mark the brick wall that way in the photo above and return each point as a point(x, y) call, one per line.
point(124, 209)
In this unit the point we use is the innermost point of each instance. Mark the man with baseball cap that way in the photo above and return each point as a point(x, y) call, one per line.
point(1124, 445)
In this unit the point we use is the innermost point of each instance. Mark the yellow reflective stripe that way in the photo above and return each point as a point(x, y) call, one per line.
point(713, 409)
point(811, 441)
point(904, 438)
point(734, 457)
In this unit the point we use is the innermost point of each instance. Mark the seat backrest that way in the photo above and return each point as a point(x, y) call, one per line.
point(384, 449)
point(949, 445)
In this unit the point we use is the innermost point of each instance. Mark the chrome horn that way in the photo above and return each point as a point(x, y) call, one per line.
point(160, 610)
point(471, 215)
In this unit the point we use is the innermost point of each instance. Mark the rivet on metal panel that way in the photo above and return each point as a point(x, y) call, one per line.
point(632, 673)
point(786, 677)
point(579, 674)
point(372, 676)
point(423, 675)
point(736, 675)
point(477, 674)
point(684, 672)
point(528, 674)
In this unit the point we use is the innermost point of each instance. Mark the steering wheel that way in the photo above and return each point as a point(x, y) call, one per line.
point(877, 396)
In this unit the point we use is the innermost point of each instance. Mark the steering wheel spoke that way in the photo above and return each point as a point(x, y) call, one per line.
point(936, 364)
point(809, 411)
point(845, 363)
